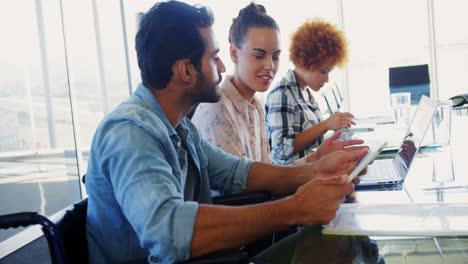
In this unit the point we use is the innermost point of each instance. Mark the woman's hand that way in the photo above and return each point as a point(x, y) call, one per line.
point(340, 121)
point(330, 145)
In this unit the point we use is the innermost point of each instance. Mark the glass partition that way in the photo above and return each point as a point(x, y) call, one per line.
point(63, 69)
point(38, 165)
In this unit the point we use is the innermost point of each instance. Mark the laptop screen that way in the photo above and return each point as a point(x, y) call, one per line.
point(415, 135)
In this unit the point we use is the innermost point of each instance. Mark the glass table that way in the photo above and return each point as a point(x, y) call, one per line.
point(448, 163)
point(310, 246)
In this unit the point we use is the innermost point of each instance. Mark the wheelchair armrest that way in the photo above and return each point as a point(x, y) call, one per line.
point(25, 219)
point(221, 257)
point(17, 219)
point(243, 198)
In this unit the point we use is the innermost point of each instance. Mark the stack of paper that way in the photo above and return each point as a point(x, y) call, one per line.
point(400, 220)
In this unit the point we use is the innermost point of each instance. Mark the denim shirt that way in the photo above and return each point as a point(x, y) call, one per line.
point(136, 181)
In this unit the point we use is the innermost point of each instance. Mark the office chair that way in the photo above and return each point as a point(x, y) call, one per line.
point(330, 99)
point(336, 89)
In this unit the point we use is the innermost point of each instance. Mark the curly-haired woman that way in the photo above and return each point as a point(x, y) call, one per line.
point(293, 119)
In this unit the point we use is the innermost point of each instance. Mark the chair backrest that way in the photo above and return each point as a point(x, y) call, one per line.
point(190, 114)
point(338, 93)
point(72, 227)
point(330, 99)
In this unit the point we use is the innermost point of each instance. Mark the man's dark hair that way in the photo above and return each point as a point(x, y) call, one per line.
point(253, 15)
point(168, 32)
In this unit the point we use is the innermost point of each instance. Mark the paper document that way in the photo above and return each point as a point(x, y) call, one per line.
point(400, 220)
point(358, 129)
point(375, 120)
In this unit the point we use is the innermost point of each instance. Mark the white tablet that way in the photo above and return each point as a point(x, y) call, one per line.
point(373, 152)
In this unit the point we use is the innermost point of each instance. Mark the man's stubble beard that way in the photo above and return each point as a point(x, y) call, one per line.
point(211, 96)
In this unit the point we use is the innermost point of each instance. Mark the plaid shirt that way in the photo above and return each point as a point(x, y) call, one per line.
point(287, 114)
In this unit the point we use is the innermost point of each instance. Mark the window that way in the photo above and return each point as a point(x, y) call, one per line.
point(38, 165)
point(54, 91)
point(383, 35)
point(451, 38)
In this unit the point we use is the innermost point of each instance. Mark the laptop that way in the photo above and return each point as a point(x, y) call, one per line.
point(388, 172)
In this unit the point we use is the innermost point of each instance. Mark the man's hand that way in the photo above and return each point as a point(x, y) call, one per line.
point(340, 121)
point(318, 200)
point(338, 163)
point(331, 145)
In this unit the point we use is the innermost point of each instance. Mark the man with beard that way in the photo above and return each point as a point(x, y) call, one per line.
point(150, 174)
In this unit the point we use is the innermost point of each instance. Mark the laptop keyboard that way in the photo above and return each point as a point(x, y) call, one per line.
point(380, 170)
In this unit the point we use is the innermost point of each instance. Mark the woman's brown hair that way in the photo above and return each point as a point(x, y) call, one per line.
point(317, 42)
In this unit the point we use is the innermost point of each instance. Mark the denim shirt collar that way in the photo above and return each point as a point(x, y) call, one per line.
point(144, 95)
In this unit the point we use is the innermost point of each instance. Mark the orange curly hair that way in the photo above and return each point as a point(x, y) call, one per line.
point(317, 42)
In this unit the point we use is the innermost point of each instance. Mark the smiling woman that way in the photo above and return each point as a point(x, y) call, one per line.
point(236, 123)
